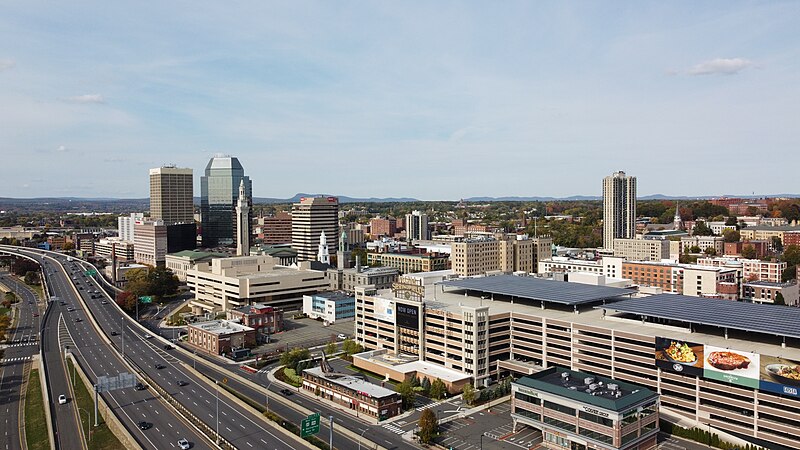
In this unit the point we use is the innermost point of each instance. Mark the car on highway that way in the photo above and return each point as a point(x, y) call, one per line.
point(140, 387)
point(147, 336)
point(104, 302)
point(144, 425)
point(181, 383)
point(114, 333)
point(168, 347)
point(286, 392)
point(35, 314)
point(341, 337)
point(77, 319)
point(183, 444)
point(159, 366)
point(62, 399)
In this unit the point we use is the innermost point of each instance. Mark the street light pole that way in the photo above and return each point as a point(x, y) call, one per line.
point(360, 437)
point(217, 384)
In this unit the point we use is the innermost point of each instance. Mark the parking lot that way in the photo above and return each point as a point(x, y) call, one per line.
point(488, 429)
point(304, 333)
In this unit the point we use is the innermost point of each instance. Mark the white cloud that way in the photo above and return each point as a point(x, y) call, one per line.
point(6, 64)
point(87, 98)
point(62, 148)
point(720, 66)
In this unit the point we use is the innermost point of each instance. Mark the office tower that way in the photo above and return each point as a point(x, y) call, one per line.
point(125, 226)
point(171, 195)
point(310, 217)
point(218, 195)
point(242, 222)
point(619, 208)
point(417, 226)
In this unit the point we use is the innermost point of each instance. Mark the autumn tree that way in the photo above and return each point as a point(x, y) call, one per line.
point(748, 252)
point(428, 426)
point(438, 389)
point(468, 394)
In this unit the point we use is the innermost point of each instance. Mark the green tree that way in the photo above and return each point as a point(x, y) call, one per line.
point(779, 299)
point(731, 235)
point(438, 389)
point(330, 348)
point(701, 229)
point(292, 358)
point(791, 255)
point(351, 347)
point(11, 297)
point(468, 394)
point(426, 386)
point(732, 220)
point(777, 244)
point(748, 252)
point(32, 278)
point(694, 249)
point(710, 251)
point(406, 391)
point(428, 426)
point(68, 246)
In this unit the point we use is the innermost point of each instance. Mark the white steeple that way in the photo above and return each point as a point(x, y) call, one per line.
point(322, 255)
point(242, 222)
point(676, 222)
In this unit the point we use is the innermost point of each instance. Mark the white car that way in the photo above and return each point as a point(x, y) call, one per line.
point(62, 399)
point(147, 336)
point(184, 444)
point(341, 337)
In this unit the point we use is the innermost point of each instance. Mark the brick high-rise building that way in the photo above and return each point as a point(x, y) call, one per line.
point(171, 195)
point(275, 229)
point(619, 208)
point(310, 216)
point(383, 227)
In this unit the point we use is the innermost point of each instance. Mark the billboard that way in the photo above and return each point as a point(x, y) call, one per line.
point(679, 356)
point(780, 376)
point(732, 366)
point(408, 316)
point(384, 309)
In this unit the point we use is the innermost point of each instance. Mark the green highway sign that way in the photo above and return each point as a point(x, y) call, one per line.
point(90, 273)
point(310, 425)
point(146, 299)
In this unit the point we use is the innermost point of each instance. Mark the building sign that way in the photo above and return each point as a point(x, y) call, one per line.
point(407, 316)
point(596, 412)
point(384, 309)
point(678, 356)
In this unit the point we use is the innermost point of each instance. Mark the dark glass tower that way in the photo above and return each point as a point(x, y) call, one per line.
point(219, 191)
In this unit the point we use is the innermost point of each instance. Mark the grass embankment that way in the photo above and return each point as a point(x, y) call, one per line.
point(102, 438)
point(36, 435)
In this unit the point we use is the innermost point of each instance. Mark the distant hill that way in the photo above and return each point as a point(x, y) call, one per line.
point(342, 199)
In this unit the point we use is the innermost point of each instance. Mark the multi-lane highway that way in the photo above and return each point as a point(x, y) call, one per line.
point(238, 426)
point(21, 344)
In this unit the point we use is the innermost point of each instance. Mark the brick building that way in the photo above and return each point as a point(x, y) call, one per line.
point(383, 227)
point(220, 337)
point(263, 318)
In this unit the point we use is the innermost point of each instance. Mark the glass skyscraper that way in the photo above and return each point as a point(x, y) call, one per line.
point(219, 191)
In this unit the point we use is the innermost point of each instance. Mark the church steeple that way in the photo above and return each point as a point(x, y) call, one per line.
point(323, 255)
point(676, 222)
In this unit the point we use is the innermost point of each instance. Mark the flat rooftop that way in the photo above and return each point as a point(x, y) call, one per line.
point(594, 390)
point(410, 363)
point(531, 288)
point(220, 327)
point(352, 382)
point(768, 319)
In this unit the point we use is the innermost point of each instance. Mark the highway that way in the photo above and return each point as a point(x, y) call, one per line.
point(242, 428)
point(131, 406)
point(21, 344)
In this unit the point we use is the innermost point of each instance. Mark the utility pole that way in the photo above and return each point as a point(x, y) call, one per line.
point(217, 384)
point(123, 337)
point(330, 428)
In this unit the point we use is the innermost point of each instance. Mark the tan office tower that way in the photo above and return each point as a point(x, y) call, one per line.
point(171, 195)
point(310, 217)
point(619, 208)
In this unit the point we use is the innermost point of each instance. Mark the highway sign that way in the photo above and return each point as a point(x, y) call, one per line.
point(90, 273)
point(146, 299)
point(123, 380)
point(310, 425)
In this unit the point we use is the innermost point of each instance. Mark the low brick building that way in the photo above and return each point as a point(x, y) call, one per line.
point(353, 392)
point(220, 337)
point(263, 318)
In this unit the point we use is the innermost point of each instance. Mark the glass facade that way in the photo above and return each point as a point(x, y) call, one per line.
point(219, 189)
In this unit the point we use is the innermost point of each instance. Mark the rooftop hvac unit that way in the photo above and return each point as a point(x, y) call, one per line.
point(612, 386)
point(565, 376)
point(588, 380)
point(593, 387)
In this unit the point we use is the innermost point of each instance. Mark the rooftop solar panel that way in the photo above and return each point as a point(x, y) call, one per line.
point(752, 317)
point(538, 289)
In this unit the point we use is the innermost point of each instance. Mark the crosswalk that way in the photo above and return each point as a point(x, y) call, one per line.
point(429, 405)
point(8, 360)
point(394, 428)
point(22, 344)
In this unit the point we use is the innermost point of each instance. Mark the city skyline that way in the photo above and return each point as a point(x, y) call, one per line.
point(464, 99)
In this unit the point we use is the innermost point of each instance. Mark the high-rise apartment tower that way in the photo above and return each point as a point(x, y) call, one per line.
point(219, 192)
point(417, 226)
point(171, 195)
point(619, 208)
point(310, 217)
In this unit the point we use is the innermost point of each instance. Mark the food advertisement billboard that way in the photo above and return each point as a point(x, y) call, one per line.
point(732, 366)
point(780, 375)
point(384, 309)
point(679, 356)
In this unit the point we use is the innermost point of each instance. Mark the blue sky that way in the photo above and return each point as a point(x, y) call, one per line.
point(433, 100)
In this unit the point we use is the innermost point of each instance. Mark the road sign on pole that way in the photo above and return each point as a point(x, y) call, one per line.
point(310, 425)
point(90, 273)
point(146, 299)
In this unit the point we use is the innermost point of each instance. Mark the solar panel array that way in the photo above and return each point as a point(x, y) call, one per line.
point(752, 317)
point(538, 289)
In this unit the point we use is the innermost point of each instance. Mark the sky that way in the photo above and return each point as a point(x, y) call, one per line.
point(431, 100)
